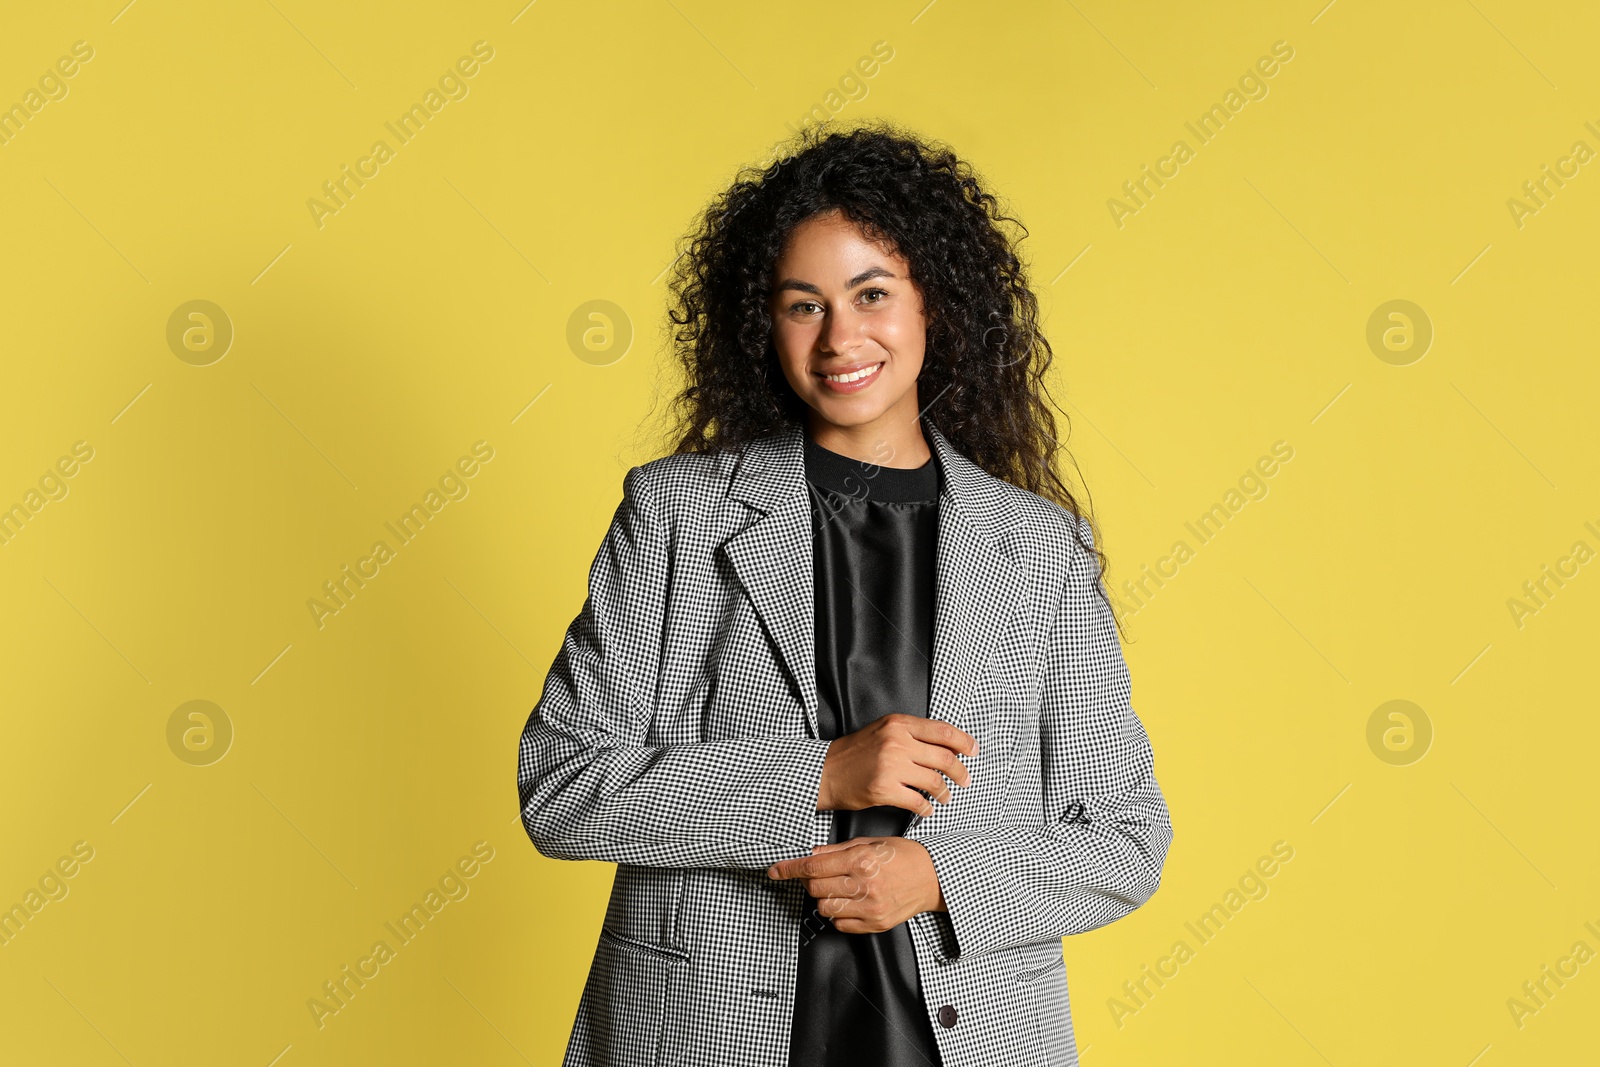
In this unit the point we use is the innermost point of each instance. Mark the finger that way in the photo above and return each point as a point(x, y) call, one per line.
point(857, 916)
point(857, 906)
point(798, 867)
point(928, 781)
point(810, 866)
point(839, 887)
point(910, 800)
point(944, 761)
point(939, 732)
point(823, 865)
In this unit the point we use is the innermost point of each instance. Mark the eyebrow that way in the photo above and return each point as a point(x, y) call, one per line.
point(807, 287)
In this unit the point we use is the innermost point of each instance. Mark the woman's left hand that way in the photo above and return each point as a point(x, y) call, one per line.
point(867, 884)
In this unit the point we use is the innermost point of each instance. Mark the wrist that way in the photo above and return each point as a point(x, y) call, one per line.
point(824, 793)
point(933, 892)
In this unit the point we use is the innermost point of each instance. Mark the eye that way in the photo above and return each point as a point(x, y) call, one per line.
point(880, 292)
point(800, 305)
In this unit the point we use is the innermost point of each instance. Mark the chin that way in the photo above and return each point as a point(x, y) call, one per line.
point(846, 414)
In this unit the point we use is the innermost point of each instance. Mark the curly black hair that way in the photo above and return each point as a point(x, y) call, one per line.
point(916, 198)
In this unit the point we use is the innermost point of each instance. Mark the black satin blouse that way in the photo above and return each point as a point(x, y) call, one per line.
point(858, 998)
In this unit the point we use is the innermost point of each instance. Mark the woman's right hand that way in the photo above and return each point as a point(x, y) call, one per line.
point(889, 760)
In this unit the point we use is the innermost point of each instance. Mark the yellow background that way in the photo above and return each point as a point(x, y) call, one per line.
point(432, 310)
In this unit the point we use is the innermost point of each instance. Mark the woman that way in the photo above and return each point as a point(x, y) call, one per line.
point(845, 702)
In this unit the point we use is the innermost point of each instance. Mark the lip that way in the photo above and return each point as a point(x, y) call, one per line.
point(855, 386)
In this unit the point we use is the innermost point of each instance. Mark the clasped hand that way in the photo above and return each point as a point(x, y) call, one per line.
point(871, 884)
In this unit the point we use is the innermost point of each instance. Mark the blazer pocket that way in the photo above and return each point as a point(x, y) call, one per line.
point(624, 1002)
point(1033, 975)
point(633, 944)
point(1045, 988)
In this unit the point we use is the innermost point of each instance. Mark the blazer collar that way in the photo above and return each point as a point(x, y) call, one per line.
point(979, 582)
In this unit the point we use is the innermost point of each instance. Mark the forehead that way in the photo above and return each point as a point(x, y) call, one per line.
point(834, 238)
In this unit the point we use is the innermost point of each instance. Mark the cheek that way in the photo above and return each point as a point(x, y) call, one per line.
point(905, 336)
point(793, 340)
point(786, 339)
point(791, 359)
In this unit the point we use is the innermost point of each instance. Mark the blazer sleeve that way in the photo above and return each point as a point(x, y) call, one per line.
point(1077, 868)
point(590, 785)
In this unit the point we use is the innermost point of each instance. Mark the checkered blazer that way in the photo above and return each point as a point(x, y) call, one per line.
point(676, 736)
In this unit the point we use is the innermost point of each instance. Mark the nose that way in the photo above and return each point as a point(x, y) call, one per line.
point(841, 332)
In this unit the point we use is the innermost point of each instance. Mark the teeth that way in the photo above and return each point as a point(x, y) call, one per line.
point(854, 377)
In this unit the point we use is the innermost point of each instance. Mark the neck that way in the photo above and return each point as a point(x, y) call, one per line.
point(899, 443)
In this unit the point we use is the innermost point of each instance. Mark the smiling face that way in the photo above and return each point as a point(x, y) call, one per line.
point(849, 328)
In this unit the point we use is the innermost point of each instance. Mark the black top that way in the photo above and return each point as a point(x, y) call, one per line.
point(858, 998)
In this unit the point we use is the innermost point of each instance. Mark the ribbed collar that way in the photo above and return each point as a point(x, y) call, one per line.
point(860, 480)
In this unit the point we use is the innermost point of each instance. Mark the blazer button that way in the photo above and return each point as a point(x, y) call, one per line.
point(947, 1016)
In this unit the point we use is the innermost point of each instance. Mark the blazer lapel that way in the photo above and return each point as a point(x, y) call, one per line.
point(979, 585)
point(772, 557)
